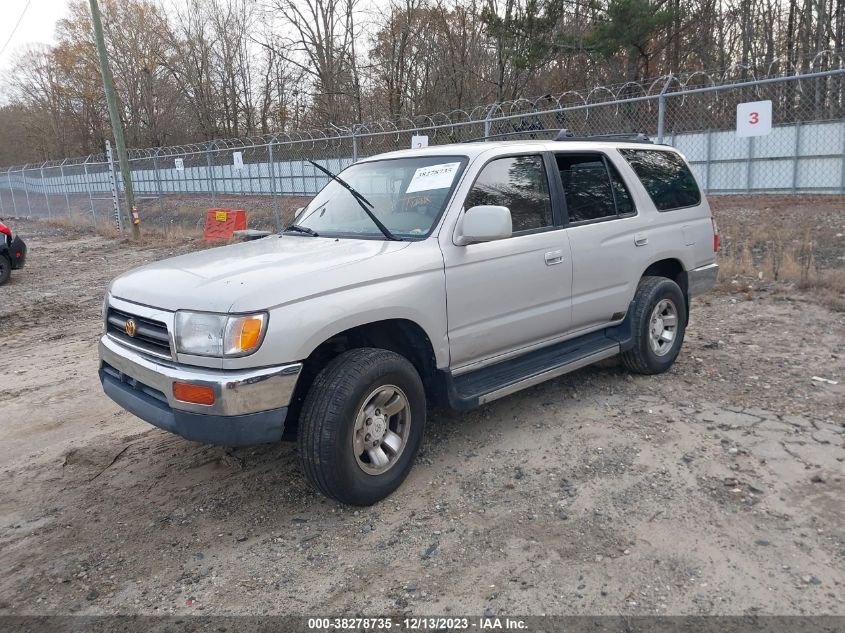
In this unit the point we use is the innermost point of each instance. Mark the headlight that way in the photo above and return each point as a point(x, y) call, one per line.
point(205, 334)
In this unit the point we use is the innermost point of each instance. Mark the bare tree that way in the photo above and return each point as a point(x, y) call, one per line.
point(323, 34)
point(209, 68)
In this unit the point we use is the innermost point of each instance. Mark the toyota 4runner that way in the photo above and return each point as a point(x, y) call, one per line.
point(452, 275)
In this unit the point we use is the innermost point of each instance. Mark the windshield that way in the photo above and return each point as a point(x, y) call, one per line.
point(407, 194)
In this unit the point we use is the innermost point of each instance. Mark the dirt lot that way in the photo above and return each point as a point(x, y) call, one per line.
point(716, 488)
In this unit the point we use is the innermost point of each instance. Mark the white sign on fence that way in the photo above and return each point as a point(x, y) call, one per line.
point(418, 142)
point(238, 159)
point(180, 164)
point(754, 118)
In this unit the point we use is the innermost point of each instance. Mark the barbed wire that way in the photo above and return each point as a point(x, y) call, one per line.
point(646, 90)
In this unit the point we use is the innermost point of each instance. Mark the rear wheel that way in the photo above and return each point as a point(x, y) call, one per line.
point(5, 269)
point(361, 425)
point(658, 323)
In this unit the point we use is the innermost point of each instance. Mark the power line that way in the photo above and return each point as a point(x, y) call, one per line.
point(15, 29)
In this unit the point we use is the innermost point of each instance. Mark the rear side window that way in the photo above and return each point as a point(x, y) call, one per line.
point(593, 188)
point(518, 183)
point(665, 176)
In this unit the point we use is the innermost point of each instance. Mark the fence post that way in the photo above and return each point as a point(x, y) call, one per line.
point(661, 109)
point(707, 164)
point(158, 183)
point(209, 176)
point(749, 165)
point(88, 188)
point(301, 149)
point(354, 143)
point(276, 210)
point(842, 160)
point(65, 185)
point(11, 191)
point(26, 191)
point(113, 183)
point(796, 154)
point(487, 119)
point(44, 191)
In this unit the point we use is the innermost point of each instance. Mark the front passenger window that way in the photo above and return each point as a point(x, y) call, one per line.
point(518, 183)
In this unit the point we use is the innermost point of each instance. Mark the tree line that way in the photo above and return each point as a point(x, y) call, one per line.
point(194, 70)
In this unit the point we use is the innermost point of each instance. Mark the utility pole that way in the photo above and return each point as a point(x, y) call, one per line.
point(114, 116)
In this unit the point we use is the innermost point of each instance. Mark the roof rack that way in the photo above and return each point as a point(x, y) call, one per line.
point(631, 137)
point(504, 134)
point(564, 134)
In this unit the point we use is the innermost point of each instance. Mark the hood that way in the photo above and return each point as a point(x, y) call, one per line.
point(248, 276)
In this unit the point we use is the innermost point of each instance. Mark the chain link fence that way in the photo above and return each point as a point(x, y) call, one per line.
point(269, 176)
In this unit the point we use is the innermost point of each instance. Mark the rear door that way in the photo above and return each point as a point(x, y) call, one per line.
point(508, 294)
point(607, 234)
point(681, 228)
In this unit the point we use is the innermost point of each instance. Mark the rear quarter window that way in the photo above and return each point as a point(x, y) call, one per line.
point(666, 177)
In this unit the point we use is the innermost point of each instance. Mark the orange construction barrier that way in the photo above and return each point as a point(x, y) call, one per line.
point(220, 224)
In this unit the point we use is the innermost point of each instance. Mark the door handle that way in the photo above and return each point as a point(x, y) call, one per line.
point(640, 239)
point(553, 257)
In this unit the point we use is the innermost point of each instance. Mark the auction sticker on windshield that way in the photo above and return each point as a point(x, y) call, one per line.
point(433, 177)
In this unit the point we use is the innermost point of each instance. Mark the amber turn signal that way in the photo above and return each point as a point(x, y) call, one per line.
point(247, 333)
point(196, 394)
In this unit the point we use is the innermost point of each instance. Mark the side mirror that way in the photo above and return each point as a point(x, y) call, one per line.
point(485, 223)
point(298, 212)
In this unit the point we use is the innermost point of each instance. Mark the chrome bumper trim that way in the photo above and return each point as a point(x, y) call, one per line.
point(236, 392)
point(702, 279)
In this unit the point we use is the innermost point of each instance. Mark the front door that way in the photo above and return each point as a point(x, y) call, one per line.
point(508, 294)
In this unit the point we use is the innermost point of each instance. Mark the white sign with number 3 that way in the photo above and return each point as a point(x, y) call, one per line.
point(754, 118)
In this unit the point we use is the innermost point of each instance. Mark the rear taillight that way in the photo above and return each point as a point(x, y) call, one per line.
point(715, 235)
point(5, 229)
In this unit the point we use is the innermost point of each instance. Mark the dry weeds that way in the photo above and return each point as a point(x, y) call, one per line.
point(771, 246)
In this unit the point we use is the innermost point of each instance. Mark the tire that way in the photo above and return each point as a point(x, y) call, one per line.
point(652, 292)
point(5, 269)
point(339, 403)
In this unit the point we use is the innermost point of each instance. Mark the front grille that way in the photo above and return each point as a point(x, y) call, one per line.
point(150, 336)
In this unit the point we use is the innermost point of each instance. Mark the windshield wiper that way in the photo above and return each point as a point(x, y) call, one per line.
point(301, 229)
point(365, 204)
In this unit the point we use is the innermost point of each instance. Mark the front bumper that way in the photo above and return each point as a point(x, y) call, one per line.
point(700, 280)
point(250, 405)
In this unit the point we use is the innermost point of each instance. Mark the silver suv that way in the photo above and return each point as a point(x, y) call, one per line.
point(452, 275)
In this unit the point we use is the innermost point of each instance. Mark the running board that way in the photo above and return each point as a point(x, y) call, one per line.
point(484, 385)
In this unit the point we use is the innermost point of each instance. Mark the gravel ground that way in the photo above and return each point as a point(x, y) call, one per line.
point(716, 488)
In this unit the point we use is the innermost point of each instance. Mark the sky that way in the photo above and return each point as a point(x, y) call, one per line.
point(37, 25)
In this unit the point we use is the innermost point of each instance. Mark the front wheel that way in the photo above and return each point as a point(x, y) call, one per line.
point(5, 269)
point(658, 323)
point(361, 425)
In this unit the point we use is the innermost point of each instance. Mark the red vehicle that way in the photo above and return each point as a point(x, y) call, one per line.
point(12, 253)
